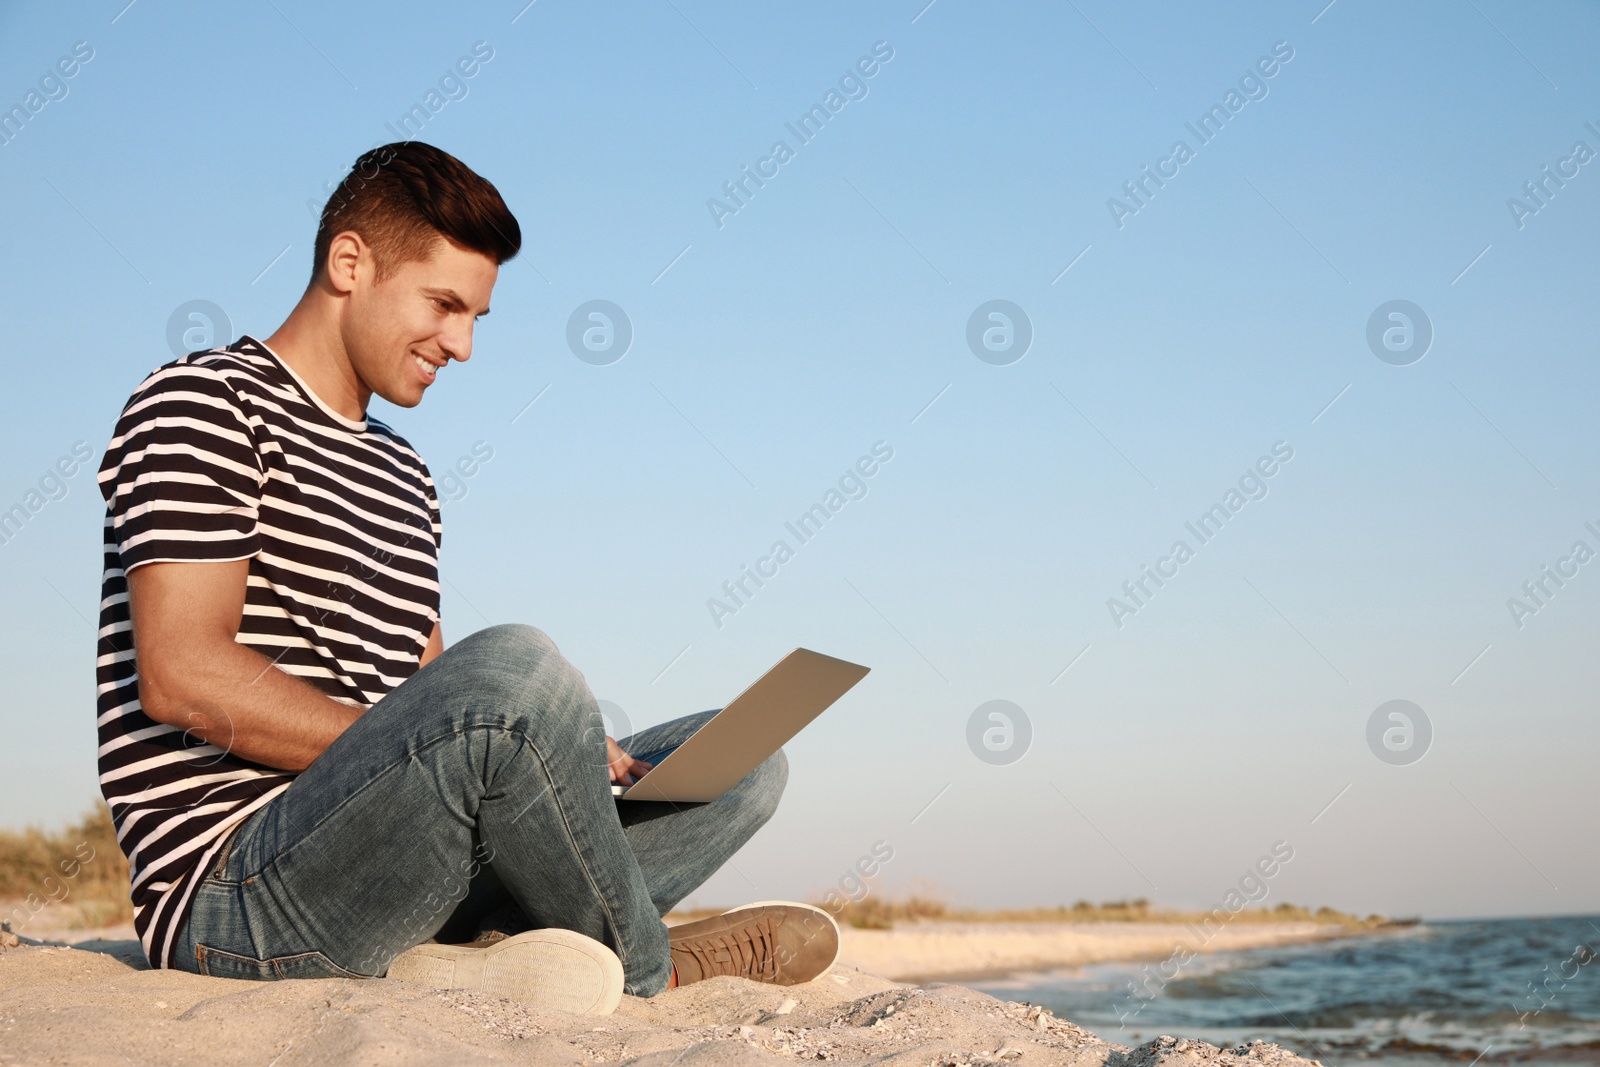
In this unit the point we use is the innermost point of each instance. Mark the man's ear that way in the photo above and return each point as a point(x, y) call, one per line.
point(348, 257)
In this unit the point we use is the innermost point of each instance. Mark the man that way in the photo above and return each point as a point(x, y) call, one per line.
point(306, 781)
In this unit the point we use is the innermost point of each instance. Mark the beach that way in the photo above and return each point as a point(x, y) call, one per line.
point(968, 951)
point(86, 997)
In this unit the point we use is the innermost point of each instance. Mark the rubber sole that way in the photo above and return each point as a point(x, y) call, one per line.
point(558, 969)
point(832, 926)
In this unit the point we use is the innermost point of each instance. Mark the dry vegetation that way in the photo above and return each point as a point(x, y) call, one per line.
point(876, 913)
point(80, 873)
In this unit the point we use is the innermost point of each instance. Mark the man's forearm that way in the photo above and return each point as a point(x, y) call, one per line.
point(234, 698)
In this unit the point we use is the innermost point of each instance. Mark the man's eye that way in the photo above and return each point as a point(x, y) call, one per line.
point(442, 305)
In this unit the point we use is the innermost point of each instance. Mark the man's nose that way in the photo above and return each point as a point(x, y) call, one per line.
point(457, 343)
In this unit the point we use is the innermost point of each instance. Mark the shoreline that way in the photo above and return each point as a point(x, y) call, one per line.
point(939, 951)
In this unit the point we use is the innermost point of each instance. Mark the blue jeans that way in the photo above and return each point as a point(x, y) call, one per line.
point(475, 790)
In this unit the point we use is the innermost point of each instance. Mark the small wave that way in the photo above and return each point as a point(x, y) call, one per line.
point(1447, 991)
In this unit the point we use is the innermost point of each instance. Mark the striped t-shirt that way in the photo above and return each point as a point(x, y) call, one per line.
point(228, 455)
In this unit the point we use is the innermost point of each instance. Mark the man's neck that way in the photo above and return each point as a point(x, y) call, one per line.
point(309, 342)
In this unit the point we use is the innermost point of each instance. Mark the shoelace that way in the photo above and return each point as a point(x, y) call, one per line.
point(743, 952)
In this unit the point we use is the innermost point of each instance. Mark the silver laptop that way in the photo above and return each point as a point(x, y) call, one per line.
point(735, 740)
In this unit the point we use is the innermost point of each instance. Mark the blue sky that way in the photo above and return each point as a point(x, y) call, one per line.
point(1169, 353)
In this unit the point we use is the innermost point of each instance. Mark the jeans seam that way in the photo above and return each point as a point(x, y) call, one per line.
point(204, 952)
point(566, 825)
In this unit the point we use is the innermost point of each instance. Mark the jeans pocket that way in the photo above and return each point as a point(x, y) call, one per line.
point(217, 873)
point(216, 963)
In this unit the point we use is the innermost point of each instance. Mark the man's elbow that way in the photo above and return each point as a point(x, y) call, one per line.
point(161, 702)
point(204, 720)
point(169, 694)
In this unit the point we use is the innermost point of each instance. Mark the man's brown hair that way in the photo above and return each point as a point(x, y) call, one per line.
point(400, 197)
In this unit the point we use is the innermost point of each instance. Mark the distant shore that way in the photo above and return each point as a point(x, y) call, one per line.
point(975, 951)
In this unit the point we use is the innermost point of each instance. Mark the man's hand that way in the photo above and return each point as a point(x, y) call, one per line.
point(623, 767)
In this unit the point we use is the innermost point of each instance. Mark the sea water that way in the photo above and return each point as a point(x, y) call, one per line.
point(1522, 991)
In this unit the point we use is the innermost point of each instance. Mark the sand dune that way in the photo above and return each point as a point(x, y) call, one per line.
point(96, 1003)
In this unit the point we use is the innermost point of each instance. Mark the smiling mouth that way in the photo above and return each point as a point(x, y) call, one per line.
point(430, 371)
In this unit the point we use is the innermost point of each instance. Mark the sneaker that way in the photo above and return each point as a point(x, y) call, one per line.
point(772, 941)
point(553, 968)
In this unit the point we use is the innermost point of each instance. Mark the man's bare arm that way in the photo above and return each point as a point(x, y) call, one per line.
point(435, 645)
point(194, 675)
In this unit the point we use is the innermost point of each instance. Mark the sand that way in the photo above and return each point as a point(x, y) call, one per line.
point(95, 1002)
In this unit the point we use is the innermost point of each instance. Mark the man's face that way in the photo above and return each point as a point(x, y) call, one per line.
point(399, 333)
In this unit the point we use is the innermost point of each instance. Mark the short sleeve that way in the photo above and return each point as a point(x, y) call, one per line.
point(182, 476)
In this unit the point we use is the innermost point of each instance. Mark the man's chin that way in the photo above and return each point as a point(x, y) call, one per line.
point(400, 399)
